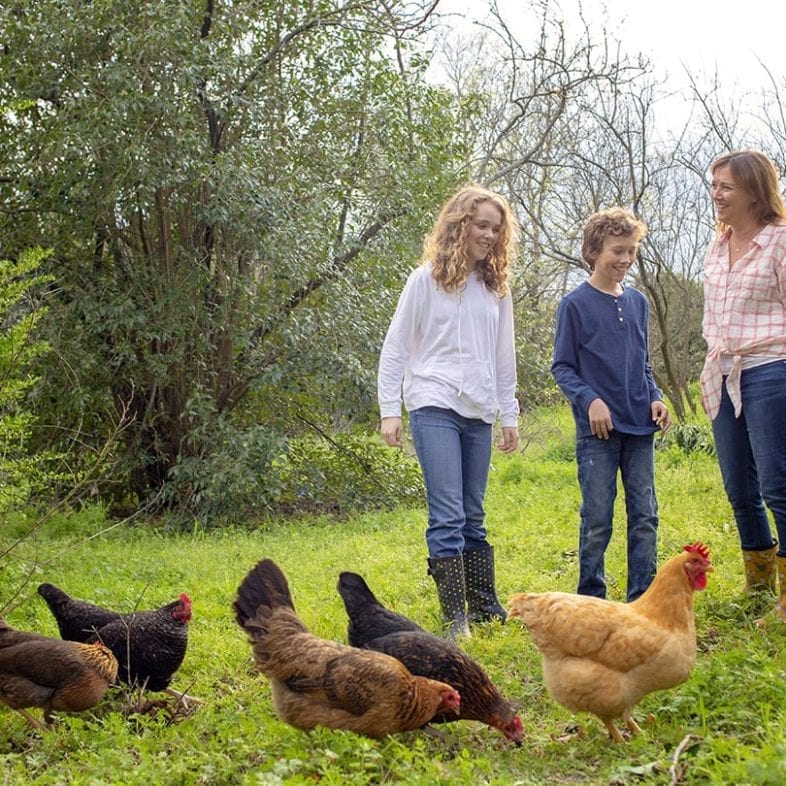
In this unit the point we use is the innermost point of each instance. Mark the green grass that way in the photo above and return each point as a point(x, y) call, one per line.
point(725, 725)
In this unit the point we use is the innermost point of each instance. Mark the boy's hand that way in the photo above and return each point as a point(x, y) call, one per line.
point(600, 419)
point(510, 439)
point(661, 416)
point(391, 431)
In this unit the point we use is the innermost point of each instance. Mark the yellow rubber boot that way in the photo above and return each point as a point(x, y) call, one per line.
point(780, 608)
point(761, 572)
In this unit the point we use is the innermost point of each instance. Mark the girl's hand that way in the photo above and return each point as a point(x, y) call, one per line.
point(391, 431)
point(510, 439)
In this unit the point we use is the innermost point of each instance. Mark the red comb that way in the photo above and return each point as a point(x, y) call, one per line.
point(187, 601)
point(698, 548)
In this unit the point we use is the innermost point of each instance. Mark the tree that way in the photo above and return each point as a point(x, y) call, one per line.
point(225, 189)
point(20, 313)
point(528, 108)
point(573, 125)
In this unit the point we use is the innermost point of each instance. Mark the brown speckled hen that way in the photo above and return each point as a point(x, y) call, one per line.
point(316, 682)
point(39, 671)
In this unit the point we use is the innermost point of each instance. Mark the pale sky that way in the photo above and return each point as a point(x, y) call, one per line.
point(698, 33)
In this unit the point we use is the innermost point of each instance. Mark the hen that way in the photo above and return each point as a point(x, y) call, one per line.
point(315, 682)
point(39, 671)
point(149, 645)
point(602, 656)
point(375, 627)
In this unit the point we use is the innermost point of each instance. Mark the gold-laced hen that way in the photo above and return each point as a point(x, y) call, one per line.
point(316, 682)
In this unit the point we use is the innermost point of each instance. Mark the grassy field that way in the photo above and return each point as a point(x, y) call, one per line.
point(724, 726)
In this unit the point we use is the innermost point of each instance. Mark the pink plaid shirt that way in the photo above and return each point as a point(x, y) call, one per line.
point(744, 311)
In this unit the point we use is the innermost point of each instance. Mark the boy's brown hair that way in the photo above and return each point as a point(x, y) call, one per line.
point(612, 221)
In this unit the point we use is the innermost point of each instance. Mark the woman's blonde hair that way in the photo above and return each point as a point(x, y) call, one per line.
point(446, 245)
point(756, 174)
point(615, 221)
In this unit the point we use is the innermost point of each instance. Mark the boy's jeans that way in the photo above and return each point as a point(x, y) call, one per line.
point(598, 462)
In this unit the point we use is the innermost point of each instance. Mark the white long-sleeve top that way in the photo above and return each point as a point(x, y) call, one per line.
point(450, 349)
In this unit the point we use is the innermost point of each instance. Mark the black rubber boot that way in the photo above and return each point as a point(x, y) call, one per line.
point(479, 581)
point(448, 573)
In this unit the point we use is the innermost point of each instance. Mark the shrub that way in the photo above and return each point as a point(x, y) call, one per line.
point(692, 438)
point(21, 471)
point(345, 472)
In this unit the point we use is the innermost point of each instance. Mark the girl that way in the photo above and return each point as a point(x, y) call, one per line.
point(449, 354)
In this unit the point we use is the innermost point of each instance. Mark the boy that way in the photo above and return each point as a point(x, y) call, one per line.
point(601, 364)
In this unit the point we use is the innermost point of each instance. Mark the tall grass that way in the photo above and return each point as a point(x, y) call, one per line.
point(725, 725)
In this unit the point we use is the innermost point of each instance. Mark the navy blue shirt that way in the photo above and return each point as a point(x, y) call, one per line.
point(601, 351)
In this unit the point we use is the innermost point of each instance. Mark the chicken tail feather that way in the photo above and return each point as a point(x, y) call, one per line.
point(368, 618)
point(355, 593)
point(53, 595)
point(264, 588)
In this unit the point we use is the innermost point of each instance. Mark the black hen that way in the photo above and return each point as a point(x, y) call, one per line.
point(77, 620)
point(149, 645)
point(368, 618)
point(374, 627)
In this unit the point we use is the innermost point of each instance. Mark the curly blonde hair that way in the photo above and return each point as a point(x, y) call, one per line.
point(446, 245)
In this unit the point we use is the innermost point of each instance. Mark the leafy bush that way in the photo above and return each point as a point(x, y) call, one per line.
point(256, 471)
point(235, 479)
point(21, 473)
point(692, 438)
point(345, 472)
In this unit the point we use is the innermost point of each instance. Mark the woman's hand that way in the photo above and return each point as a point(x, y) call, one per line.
point(391, 431)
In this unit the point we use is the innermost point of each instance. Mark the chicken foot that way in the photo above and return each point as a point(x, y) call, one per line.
point(183, 698)
point(614, 732)
point(630, 723)
point(34, 722)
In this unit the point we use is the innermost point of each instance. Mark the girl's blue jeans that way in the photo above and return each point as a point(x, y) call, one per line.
point(454, 454)
point(752, 454)
point(599, 461)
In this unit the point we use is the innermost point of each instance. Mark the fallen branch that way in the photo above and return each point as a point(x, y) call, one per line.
point(675, 772)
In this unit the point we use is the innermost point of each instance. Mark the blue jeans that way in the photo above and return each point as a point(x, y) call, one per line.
point(752, 454)
point(454, 454)
point(598, 462)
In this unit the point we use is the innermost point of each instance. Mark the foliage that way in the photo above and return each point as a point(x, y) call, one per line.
point(692, 437)
point(535, 319)
point(254, 473)
point(724, 725)
point(21, 473)
point(347, 472)
point(227, 191)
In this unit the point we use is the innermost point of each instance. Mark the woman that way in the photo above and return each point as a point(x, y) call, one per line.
point(449, 353)
point(744, 377)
